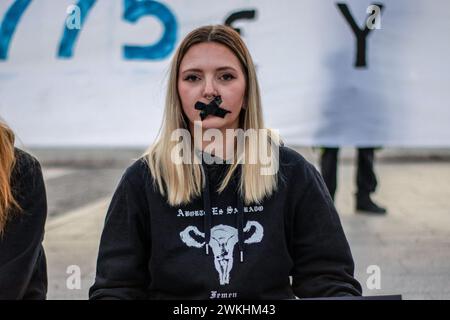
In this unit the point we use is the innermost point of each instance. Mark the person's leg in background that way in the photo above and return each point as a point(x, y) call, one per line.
point(366, 182)
point(328, 167)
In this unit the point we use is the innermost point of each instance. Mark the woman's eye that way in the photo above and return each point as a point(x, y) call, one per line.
point(191, 78)
point(227, 77)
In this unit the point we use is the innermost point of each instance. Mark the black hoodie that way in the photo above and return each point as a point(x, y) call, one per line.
point(23, 269)
point(151, 250)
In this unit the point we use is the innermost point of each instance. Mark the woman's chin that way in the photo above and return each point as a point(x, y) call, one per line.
point(213, 122)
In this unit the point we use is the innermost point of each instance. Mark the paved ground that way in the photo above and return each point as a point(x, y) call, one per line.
point(410, 245)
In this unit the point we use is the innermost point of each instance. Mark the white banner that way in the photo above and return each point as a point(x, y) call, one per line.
point(331, 72)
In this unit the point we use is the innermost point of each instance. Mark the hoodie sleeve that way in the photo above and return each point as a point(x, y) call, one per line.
point(23, 273)
point(323, 263)
point(122, 264)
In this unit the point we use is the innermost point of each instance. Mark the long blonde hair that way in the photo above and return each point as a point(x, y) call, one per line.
point(7, 162)
point(183, 182)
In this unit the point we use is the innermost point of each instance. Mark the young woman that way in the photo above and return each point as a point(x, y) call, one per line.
point(203, 230)
point(23, 211)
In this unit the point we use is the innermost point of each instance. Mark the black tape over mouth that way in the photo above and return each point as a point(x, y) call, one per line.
point(211, 108)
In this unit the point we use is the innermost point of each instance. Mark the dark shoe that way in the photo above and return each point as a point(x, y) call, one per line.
point(366, 205)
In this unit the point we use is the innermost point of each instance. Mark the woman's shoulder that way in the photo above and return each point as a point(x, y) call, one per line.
point(293, 164)
point(138, 172)
point(28, 185)
point(292, 158)
point(26, 165)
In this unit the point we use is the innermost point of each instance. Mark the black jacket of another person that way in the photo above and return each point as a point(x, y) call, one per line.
point(23, 269)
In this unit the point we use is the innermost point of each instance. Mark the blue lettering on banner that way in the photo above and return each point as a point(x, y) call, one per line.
point(70, 36)
point(9, 24)
point(134, 10)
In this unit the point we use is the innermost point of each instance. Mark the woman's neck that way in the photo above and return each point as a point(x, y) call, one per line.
point(216, 143)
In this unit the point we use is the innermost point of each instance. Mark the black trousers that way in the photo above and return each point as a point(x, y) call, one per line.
point(366, 180)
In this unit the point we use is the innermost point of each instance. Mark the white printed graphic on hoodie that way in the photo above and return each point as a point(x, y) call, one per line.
point(223, 241)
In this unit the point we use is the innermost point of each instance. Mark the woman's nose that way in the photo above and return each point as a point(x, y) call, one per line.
point(210, 90)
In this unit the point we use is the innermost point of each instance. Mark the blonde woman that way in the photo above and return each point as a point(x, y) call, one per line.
point(23, 211)
point(226, 229)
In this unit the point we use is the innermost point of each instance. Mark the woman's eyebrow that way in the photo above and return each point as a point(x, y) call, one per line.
point(225, 68)
point(200, 70)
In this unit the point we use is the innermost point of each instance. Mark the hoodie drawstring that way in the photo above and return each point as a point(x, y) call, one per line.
point(207, 208)
point(240, 227)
